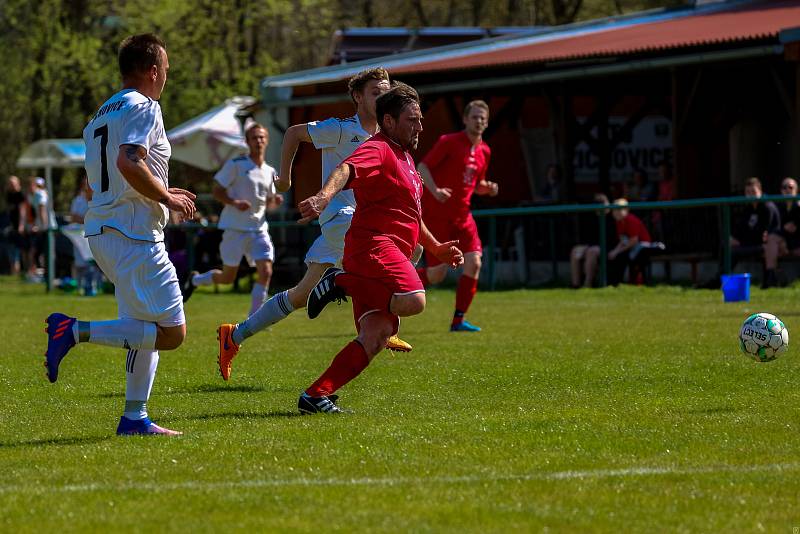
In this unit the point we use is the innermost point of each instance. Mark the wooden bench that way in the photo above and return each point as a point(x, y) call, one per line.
point(692, 258)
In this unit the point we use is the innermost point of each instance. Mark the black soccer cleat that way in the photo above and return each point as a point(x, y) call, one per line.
point(188, 287)
point(310, 405)
point(325, 292)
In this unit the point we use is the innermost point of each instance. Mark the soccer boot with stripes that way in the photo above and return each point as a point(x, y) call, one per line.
point(325, 292)
point(311, 405)
point(59, 341)
point(228, 349)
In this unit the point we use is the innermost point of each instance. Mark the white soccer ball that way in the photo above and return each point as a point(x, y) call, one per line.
point(763, 337)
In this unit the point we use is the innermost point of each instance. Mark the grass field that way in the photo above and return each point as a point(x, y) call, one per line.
point(609, 410)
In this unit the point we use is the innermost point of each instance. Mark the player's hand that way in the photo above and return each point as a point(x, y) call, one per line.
point(277, 199)
point(487, 188)
point(442, 194)
point(311, 207)
point(790, 227)
point(181, 202)
point(449, 253)
point(241, 205)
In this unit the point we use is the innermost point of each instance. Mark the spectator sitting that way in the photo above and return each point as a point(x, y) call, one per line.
point(750, 229)
point(641, 189)
point(584, 258)
point(786, 240)
point(551, 190)
point(633, 243)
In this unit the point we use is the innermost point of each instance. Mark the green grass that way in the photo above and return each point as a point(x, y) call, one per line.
point(609, 410)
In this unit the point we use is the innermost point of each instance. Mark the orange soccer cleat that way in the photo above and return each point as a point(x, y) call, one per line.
point(228, 350)
point(395, 343)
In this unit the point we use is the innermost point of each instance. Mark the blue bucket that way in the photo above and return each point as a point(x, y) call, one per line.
point(736, 287)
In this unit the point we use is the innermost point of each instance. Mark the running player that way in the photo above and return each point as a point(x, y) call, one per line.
point(246, 187)
point(453, 169)
point(386, 228)
point(337, 139)
point(127, 157)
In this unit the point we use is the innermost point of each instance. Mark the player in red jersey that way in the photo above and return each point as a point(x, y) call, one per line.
point(453, 170)
point(387, 225)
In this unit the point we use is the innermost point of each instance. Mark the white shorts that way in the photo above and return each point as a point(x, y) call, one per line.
point(145, 282)
point(329, 247)
point(255, 245)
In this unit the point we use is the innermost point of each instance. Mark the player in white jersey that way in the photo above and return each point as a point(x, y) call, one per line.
point(127, 157)
point(337, 139)
point(246, 187)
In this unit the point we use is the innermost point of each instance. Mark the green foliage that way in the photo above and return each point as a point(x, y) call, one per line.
point(60, 55)
point(615, 410)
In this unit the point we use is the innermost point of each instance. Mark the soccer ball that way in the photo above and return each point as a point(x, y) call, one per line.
point(763, 337)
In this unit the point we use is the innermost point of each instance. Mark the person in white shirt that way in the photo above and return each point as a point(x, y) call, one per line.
point(127, 159)
point(246, 187)
point(336, 139)
point(86, 272)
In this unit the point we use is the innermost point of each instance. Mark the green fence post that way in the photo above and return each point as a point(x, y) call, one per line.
point(601, 221)
point(726, 238)
point(553, 260)
point(492, 250)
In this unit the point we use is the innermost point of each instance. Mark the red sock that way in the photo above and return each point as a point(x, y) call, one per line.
point(347, 365)
point(467, 287)
point(423, 276)
point(368, 291)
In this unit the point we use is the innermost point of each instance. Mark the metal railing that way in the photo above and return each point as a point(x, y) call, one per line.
point(722, 203)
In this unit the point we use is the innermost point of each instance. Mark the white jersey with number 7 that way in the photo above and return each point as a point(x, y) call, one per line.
point(127, 118)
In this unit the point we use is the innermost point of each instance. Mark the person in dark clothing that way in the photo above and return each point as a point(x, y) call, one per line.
point(786, 240)
point(15, 204)
point(750, 228)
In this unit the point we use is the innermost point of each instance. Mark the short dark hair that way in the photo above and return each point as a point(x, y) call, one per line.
point(753, 181)
point(137, 53)
point(356, 83)
point(395, 100)
point(255, 126)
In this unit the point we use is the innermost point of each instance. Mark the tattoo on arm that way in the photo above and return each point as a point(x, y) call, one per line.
point(133, 153)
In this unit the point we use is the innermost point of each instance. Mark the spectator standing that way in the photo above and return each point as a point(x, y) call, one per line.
point(551, 190)
point(87, 273)
point(16, 206)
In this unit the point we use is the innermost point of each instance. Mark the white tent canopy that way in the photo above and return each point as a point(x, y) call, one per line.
point(53, 153)
point(210, 139)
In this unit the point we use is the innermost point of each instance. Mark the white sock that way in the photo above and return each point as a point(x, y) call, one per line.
point(140, 371)
point(272, 311)
point(203, 279)
point(257, 297)
point(123, 334)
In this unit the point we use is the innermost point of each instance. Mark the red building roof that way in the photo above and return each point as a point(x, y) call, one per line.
point(749, 22)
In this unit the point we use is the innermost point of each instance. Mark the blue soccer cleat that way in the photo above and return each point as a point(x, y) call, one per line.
point(144, 427)
point(59, 341)
point(464, 326)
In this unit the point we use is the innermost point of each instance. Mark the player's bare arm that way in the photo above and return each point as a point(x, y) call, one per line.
point(446, 252)
point(221, 195)
point(291, 142)
point(274, 202)
point(485, 187)
point(311, 207)
point(131, 163)
point(439, 193)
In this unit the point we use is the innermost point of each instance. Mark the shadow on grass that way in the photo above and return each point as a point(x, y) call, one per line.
point(202, 388)
point(54, 441)
point(244, 415)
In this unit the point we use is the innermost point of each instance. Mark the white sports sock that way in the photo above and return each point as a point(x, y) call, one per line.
point(140, 371)
point(257, 297)
point(124, 334)
point(203, 279)
point(272, 311)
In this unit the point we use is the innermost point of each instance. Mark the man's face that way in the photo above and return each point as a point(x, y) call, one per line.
point(161, 74)
point(620, 213)
point(365, 100)
point(257, 141)
point(752, 191)
point(476, 121)
point(406, 129)
point(789, 188)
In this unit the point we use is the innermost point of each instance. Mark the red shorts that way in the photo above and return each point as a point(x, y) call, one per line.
point(382, 261)
point(465, 230)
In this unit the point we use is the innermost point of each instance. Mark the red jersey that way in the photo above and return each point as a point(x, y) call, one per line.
point(455, 163)
point(388, 189)
point(632, 226)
